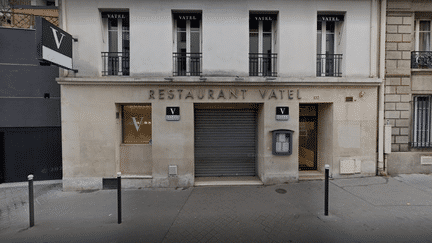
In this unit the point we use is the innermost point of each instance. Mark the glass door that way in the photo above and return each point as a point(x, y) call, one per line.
point(308, 137)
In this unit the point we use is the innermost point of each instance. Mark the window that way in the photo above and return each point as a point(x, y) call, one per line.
point(422, 56)
point(422, 121)
point(187, 44)
point(262, 41)
point(116, 59)
point(137, 124)
point(328, 62)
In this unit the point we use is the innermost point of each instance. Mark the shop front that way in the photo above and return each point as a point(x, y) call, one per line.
point(173, 135)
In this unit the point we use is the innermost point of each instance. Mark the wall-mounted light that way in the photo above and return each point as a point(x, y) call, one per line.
point(46, 95)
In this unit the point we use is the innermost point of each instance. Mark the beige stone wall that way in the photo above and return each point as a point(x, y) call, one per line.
point(399, 44)
point(92, 147)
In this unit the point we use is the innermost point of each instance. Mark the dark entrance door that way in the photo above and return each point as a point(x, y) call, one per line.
point(225, 142)
point(308, 137)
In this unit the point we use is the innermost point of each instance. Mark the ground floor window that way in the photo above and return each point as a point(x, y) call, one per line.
point(137, 124)
point(422, 121)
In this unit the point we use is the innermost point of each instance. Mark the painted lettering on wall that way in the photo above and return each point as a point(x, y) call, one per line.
point(184, 17)
point(222, 94)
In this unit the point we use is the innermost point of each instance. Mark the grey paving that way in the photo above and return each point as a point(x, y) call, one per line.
point(373, 209)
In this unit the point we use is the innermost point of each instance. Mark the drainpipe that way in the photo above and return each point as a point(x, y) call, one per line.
point(63, 26)
point(380, 164)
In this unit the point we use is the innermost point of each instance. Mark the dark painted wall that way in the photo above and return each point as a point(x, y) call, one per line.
point(34, 151)
point(29, 123)
point(23, 83)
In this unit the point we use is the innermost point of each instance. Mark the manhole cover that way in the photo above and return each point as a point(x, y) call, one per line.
point(281, 191)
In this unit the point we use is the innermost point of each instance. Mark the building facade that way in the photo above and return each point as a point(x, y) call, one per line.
point(177, 93)
point(30, 132)
point(408, 86)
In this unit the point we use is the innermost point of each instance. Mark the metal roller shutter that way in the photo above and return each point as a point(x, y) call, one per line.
point(225, 142)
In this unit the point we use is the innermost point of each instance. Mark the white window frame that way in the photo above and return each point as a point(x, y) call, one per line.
point(188, 37)
point(336, 41)
point(120, 32)
point(261, 43)
point(417, 33)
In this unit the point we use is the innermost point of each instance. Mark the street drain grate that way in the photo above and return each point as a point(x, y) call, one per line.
point(281, 191)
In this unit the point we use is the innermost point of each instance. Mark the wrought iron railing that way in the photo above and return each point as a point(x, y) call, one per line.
point(187, 63)
point(263, 64)
point(421, 59)
point(115, 63)
point(21, 20)
point(329, 65)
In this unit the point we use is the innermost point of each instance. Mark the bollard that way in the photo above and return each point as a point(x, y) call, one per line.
point(326, 196)
point(119, 197)
point(31, 200)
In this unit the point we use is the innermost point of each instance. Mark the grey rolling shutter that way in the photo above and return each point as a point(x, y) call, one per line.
point(225, 142)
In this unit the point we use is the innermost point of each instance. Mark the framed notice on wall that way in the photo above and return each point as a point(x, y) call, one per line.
point(137, 124)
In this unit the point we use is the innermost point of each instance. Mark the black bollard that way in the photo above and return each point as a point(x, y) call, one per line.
point(326, 197)
point(31, 200)
point(119, 197)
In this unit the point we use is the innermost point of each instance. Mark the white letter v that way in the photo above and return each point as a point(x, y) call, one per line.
point(58, 43)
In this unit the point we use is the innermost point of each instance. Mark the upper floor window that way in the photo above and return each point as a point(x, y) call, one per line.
point(116, 57)
point(262, 42)
point(422, 56)
point(187, 44)
point(328, 45)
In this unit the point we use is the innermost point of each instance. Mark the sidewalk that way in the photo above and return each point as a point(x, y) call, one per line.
point(373, 209)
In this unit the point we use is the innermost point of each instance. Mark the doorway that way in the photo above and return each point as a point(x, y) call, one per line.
point(308, 136)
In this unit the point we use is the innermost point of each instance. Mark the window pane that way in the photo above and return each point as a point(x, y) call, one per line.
point(424, 25)
point(424, 42)
point(181, 25)
point(181, 41)
point(267, 26)
point(319, 38)
point(112, 24)
point(113, 41)
point(267, 43)
point(330, 26)
point(194, 42)
point(195, 24)
point(253, 25)
point(329, 43)
point(137, 124)
point(253, 42)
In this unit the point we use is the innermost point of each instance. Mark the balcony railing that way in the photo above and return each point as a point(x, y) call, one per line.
point(329, 65)
point(421, 59)
point(115, 63)
point(21, 20)
point(187, 63)
point(263, 64)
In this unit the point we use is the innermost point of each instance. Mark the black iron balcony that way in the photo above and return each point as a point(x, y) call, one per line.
point(115, 63)
point(187, 63)
point(421, 59)
point(329, 65)
point(263, 64)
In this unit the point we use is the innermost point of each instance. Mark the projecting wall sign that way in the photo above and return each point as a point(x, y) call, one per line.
point(53, 44)
point(282, 113)
point(172, 113)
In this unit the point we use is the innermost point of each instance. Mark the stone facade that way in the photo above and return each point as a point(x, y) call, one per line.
point(403, 82)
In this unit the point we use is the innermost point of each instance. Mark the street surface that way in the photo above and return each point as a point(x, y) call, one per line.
point(371, 209)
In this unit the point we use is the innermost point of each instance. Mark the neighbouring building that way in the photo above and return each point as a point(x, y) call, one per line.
point(183, 93)
point(30, 131)
point(408, 85)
